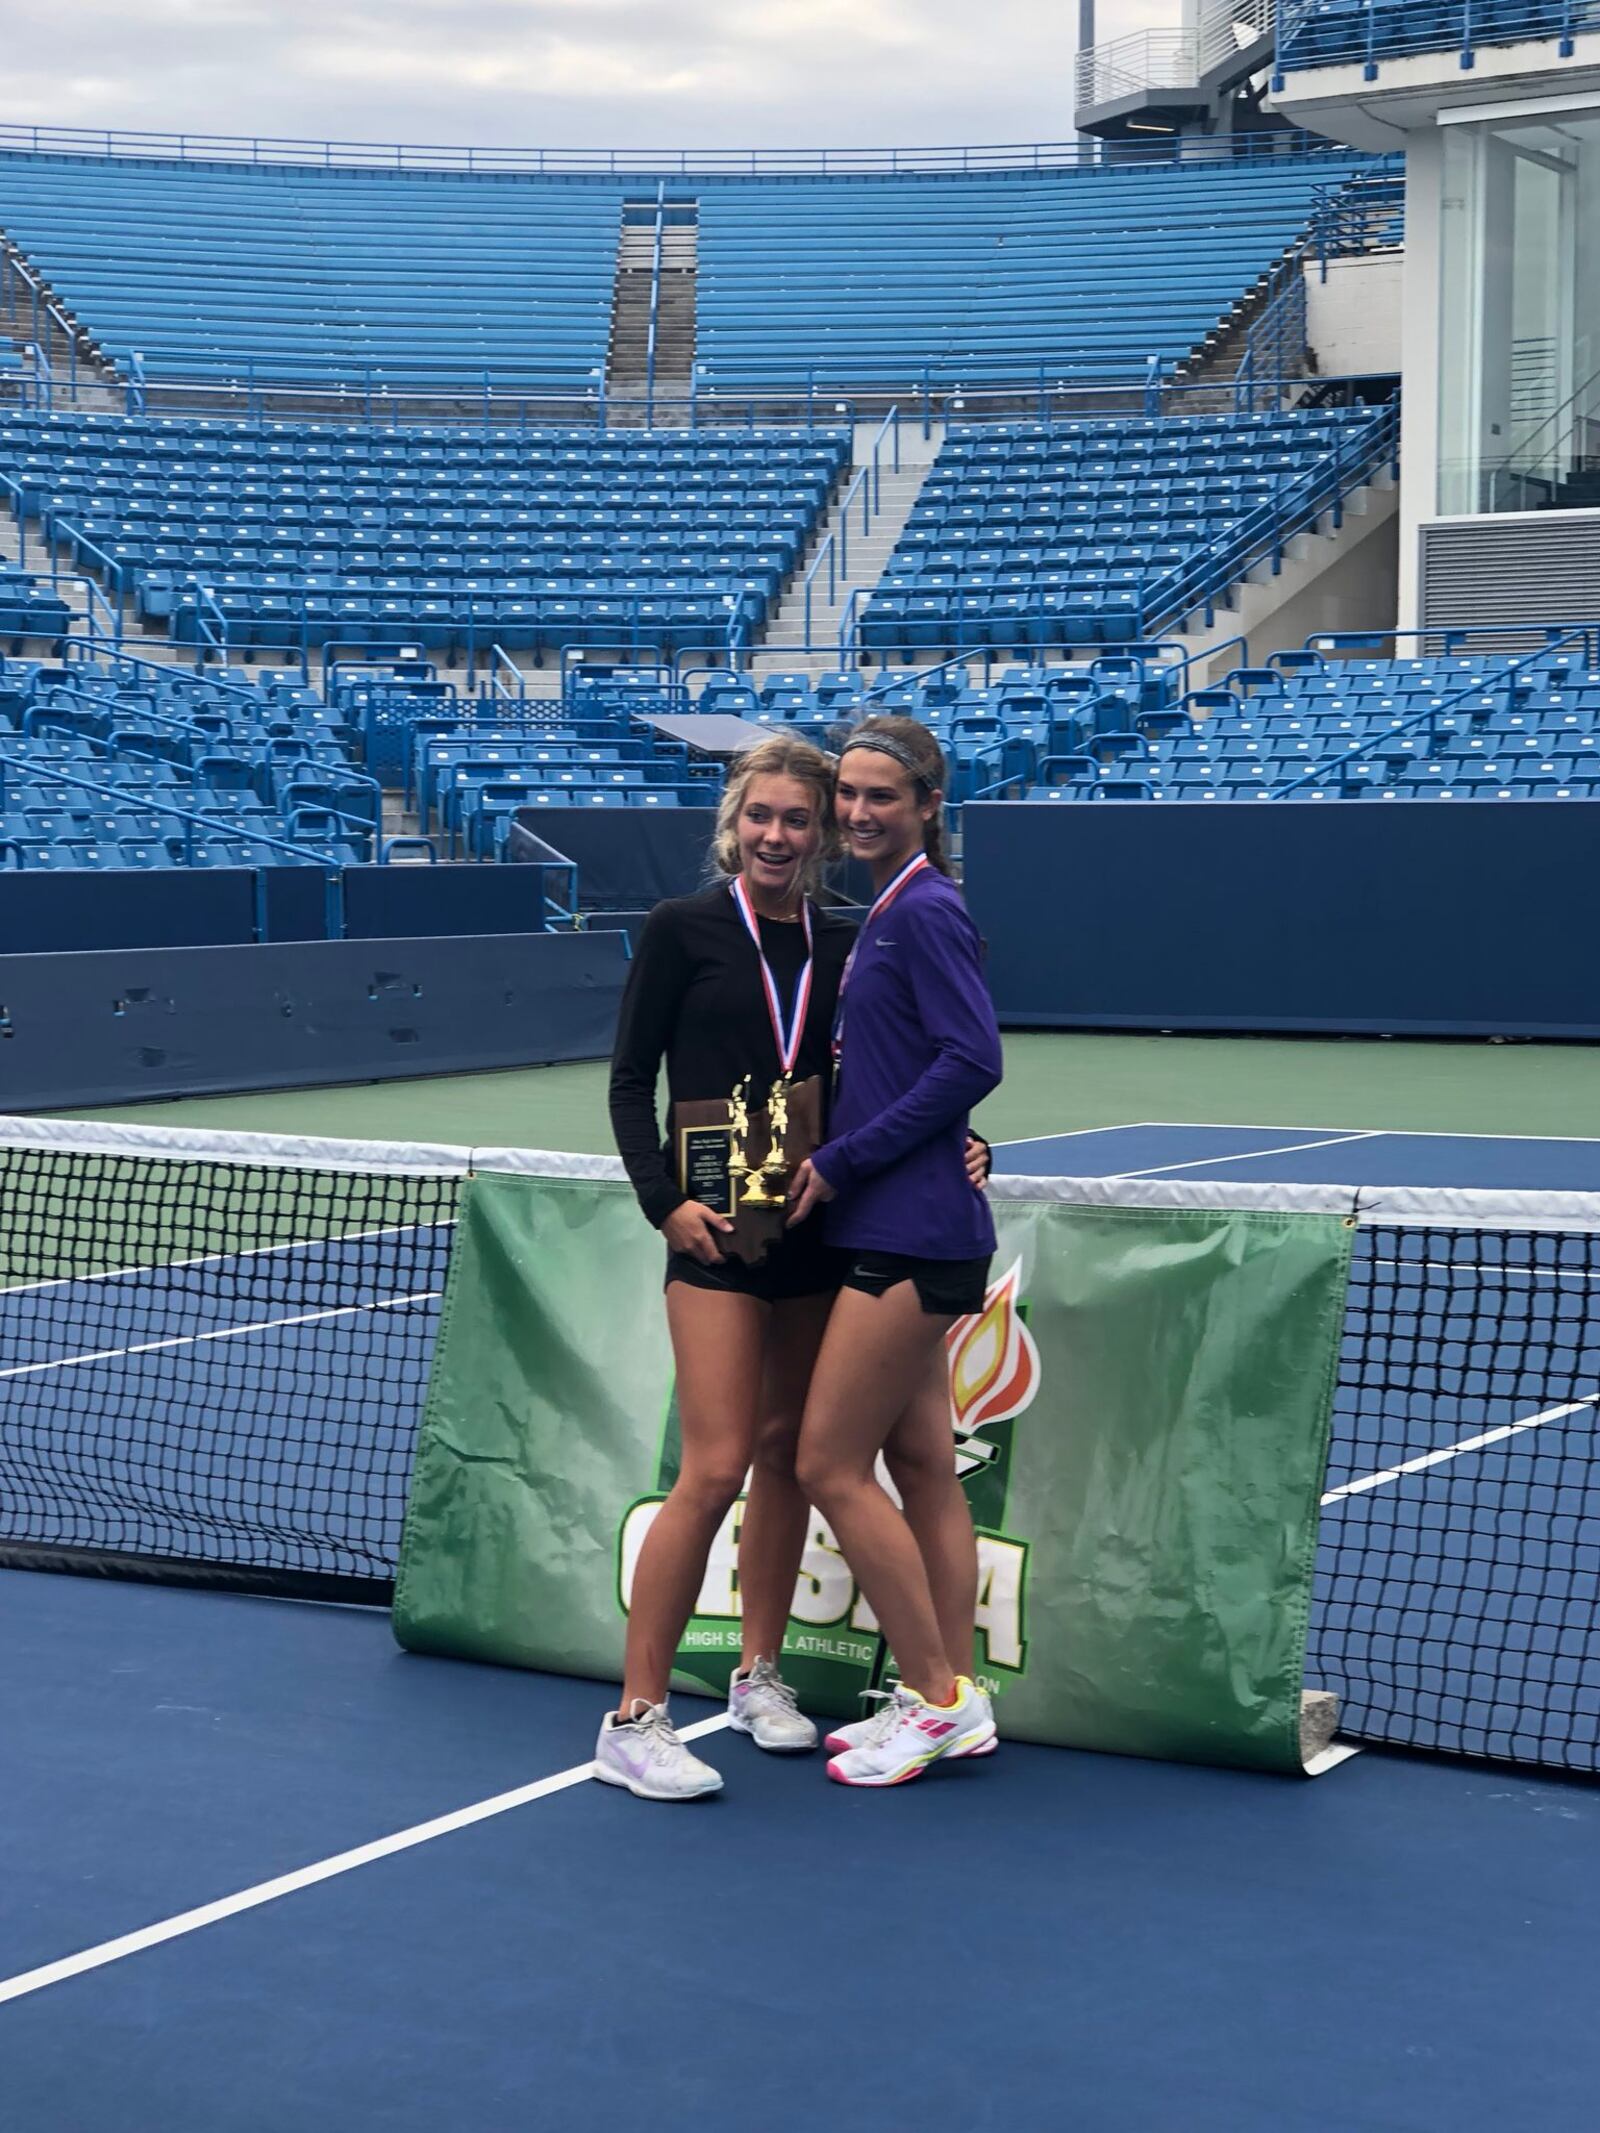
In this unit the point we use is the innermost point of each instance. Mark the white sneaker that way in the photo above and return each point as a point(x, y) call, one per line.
point(643, 1753)
point(909, 1733)
point(843, 1738)
point(762, 1704)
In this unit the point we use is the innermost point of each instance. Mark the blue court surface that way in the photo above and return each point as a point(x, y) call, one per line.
point(1044, 1940)
point(1311, 1155)
point(260, 1869)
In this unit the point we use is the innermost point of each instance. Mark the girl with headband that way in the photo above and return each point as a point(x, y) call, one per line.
point(916, 1047)
point(739, 981)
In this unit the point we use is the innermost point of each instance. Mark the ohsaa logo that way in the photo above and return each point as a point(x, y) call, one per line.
point(994, 1370)
point(994, 1377)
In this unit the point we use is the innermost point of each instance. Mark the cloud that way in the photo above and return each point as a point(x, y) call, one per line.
point(559, 73)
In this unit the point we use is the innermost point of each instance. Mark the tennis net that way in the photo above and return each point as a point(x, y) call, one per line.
point(214, 1350)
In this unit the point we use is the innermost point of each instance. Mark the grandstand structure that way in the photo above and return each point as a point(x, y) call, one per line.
point(366, 503)
point(1496, 108)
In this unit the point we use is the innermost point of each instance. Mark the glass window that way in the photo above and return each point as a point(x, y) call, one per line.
point(1519, 370)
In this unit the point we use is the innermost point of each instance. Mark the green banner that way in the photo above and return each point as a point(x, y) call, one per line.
point(1141, 1416)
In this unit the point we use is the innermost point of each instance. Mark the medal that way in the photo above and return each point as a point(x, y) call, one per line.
point(881, 902)
point(786, 1038)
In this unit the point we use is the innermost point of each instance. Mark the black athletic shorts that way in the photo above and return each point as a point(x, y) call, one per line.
point(798, 1264)
point(943, 1285)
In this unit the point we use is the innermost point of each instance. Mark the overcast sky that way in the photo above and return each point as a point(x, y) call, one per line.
point(560, 73)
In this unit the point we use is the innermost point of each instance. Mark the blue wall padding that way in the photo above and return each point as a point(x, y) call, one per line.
point(628, 858)
point(1415, 918)
point(384, 903)
point(113, 1026)
point(127, 908)
point(297, 904)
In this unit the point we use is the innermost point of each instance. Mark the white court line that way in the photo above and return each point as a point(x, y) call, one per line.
point(1078, 1133)
point(1249, 1155)
point(218, 1333)
point(306, 1877)
point(261, 1251)
point(1398, 1133)
point(1465, 1445)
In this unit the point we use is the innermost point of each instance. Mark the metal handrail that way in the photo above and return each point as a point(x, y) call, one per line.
point(41, 707)
point(499, 657)
point(147, 803)
point(88, 641)
point(57, 576)
point(1524, 445)
point(1339, 764)
point(655, 307)
point(1146, 59)
point(47, 307)
point(1196, 581)
point(671, 162)
point(1558, 630)
point(868, 485)
point(1266, 531)
point(1053, 386)
point(1438, 30)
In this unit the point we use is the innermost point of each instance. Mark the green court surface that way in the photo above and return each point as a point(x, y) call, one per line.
point(1054, 1084)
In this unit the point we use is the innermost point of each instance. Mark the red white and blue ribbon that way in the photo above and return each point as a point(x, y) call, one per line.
point(785, 1035)
point(881, 902)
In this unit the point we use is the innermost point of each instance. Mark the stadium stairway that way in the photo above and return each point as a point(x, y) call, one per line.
point(1331, 579)
point(867, 555)
point(98, 388)
point(72, 591)
point(631, 382)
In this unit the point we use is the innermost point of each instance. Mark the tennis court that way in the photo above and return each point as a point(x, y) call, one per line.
point(262, 1866)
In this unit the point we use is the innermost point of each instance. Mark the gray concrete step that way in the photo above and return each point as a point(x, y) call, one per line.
point(865, 556)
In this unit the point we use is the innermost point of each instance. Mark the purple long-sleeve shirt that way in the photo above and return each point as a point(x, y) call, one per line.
point(919, 1047)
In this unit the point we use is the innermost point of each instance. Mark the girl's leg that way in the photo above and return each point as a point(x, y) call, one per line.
point(718, 1342)
point(773, 1536)
point(876, 1350)
point(921, 1459)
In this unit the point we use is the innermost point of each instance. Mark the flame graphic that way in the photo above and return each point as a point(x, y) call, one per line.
point(994, 1365)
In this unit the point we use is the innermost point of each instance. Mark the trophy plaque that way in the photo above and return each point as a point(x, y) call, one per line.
point(737, 1155)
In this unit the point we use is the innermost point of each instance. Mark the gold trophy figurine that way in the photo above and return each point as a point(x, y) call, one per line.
point(739, 1138)
point(769, 1182)
point(776, 1166)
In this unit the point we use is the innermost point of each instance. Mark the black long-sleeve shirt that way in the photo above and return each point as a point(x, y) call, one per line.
point(694, 997)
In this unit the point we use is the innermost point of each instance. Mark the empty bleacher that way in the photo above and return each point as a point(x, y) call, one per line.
point(108, 762)
point(1078, 274)
point(248, 278)
point(239, 272)
point(1081, 533)
point(1312, 727)
point(28, 607)
point(289, 535)
point(117, 762)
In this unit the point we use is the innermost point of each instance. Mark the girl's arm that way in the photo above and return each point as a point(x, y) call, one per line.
point(644, 1029)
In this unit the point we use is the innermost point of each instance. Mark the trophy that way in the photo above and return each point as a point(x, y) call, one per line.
point(738, 1140)
point(769, 1180)
point(739, 1162)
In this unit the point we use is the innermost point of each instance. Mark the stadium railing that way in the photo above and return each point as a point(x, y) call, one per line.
point(1334, 33)
point(1077, 154)
point(1336, 767)
point(1195, 586)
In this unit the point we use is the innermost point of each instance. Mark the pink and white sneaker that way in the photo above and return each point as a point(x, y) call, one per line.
point(843, 1738)
point(909, 1733)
